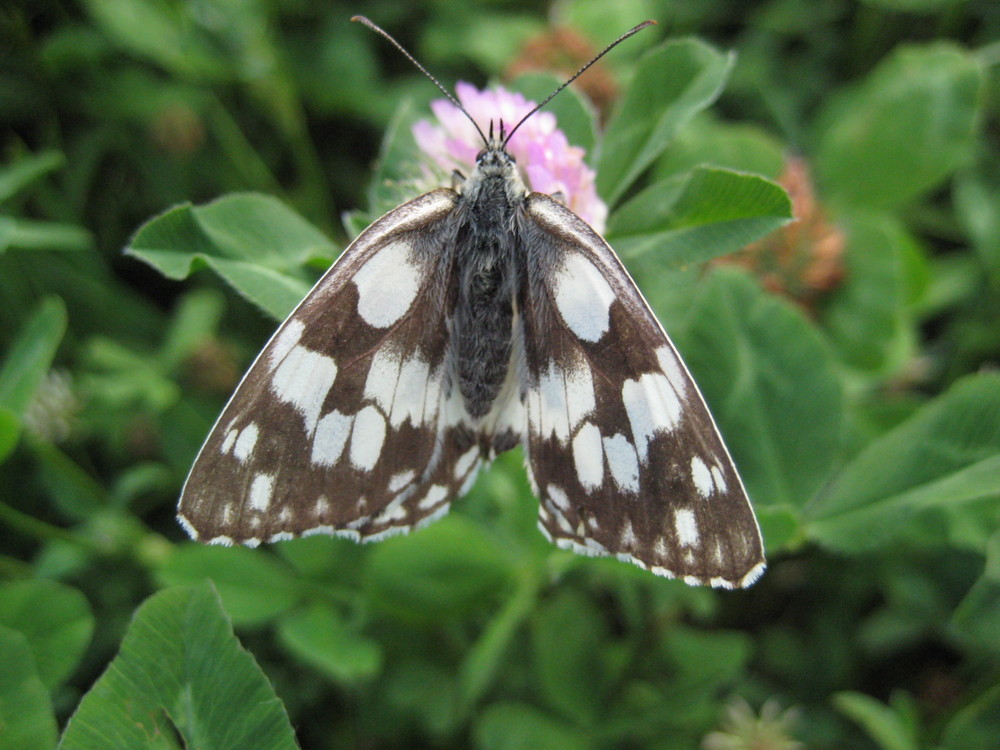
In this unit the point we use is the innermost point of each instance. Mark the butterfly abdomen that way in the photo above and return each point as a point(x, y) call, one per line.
point(484, 312)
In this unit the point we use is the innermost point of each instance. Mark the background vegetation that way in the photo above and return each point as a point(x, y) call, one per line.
point(849, 357)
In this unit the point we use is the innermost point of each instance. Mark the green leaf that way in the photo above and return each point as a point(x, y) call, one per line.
point(567, 636)
point(770, 382)
point(672, 82)
point(882, 723)
point(977, 206)
point(485, 659)
point(904, 129)
point(253, 585)
point(736, 146)
point(18, 175)
point(74, 492)
point(698, 216)
point(977, 617)
point(317, 555)
point(180, 669)
point(10, 432)
point(512, 726)
point(254, 242)
point(27, 234)
point(26, 717)
point(425, 691)
point(164, 33)
point(449, 568)
point(866, 316)
point(704, 661)
point(944, 457)
point(30, 356)
point(911, 6)
point(318, 635)
point(397, 167)
point(56, 621)
point(976, 724)
point(195, 321)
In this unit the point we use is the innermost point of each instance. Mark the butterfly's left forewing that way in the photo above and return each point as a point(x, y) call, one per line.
point(624, 453)
point(344, 423)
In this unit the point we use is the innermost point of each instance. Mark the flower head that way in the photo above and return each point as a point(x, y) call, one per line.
point(548, 163)
point(743, 730)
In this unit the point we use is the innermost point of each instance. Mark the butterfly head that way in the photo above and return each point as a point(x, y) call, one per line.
point(494, 156)
point(496, 167)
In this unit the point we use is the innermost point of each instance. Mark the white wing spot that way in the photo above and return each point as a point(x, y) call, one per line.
point(622, 462)
point(720, 479)
point(394, 511)
point(686, 527)
point(562, 522)
point(288, 337)
point(465, 461)
point(579, 392)
point(553, 416)
point(245, 443)
point(588, 456)
point(701, 477)
point(408, 400)
point(228, 442)
point(673, 369)
point(383, 377)
point(435, 495)
point(399, 481)
point(469, 481)
point(660, 547)
point(432, 394)
point(367, 438)
point(628, 537)
point(303, 379)
point(558, 498)
point(652, 406)
point(322, 506)
point(331, 435)
point(583, 297)
point(387, 285)
point(260, 491)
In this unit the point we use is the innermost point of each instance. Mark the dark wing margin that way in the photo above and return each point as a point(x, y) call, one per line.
point(344, 423)
point(625, 456)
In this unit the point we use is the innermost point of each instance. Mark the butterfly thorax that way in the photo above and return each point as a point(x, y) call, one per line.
point(486, 253)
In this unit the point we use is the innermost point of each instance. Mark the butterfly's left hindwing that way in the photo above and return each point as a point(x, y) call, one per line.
point(624, 453)
point(344, 424)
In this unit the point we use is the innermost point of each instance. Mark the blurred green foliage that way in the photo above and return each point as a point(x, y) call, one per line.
point(848, 358)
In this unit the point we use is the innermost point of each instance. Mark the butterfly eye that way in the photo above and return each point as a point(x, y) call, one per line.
point(479, 156)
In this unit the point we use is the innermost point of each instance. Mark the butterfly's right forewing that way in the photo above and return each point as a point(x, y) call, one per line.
point(344, 423)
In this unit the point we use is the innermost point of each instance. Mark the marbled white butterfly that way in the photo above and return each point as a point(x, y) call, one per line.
point(459, 325)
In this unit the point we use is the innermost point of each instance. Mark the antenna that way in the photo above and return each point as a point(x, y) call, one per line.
point(379, 30)
point(580, 72)
point(505, 138)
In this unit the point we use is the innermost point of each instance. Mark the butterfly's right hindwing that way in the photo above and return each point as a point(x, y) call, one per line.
point(344, 423)
point(625, 455)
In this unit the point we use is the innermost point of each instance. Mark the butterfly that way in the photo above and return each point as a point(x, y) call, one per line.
point(461, 324)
